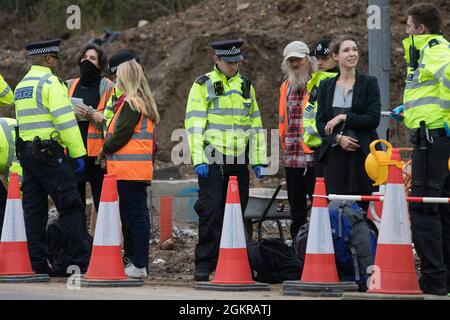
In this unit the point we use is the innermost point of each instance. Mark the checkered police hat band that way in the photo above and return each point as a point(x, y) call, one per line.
point(37, 51)
point(231, 52)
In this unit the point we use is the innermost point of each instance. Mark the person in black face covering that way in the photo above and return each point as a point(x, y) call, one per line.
point(95, 92)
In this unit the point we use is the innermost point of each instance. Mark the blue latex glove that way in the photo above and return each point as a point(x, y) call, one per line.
point(259, 171)
point(447, 128)
point(397, 113)
point(79, 162)
point(202, 170)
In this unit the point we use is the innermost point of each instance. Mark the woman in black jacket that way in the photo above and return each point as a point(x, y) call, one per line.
point(95, 91)
point(348, 114)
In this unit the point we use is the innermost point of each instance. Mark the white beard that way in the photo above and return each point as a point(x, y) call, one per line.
point(298, 78)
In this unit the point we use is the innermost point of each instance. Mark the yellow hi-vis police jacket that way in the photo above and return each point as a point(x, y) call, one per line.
point(108, 113)
point(6, 94)
point(226, 120)
point(43, 107)
point(311, 135)
point(8, 160)
point(427, 91)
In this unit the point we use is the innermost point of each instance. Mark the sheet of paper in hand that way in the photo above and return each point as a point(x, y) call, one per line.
point(79, 102)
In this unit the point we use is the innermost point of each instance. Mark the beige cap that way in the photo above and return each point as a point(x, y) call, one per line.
point(296, 49)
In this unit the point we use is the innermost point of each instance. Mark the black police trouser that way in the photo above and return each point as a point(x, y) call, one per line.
point(3, 199)
point(431, 222)
point(299, 184)
point(52, 177)
point(210, 208)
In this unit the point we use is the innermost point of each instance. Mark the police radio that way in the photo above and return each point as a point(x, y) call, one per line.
point(218, 88)
point(414, 55)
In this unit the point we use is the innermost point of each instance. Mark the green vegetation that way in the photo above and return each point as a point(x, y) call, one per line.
point(95, 14)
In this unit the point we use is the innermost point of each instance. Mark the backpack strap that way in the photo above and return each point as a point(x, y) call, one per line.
point(355, 263)
point(340, 212)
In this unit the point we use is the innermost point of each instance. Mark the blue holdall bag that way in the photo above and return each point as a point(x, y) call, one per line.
point(354, 241)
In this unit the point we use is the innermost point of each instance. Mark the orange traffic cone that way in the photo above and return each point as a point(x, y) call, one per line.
point(394, 257)
point(106, 264)
point(320, 263)
point(15, 261)
point(319, 276)
point(233, 268)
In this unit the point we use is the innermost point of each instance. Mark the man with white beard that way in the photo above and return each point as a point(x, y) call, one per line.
point(298, 159)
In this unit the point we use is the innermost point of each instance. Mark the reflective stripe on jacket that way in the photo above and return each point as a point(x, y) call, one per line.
point(311, 135)
point(218, 113)
point(95, 138)
point(43, 109)
point(6, 94)
point(8, 160)
point(134, 161)
point(427, 90)
point(283, 116)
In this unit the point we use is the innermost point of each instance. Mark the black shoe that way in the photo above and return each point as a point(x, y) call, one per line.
point(201, 274)
point(433, 290)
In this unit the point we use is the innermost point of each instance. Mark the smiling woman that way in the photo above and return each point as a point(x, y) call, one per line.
point(347, 117)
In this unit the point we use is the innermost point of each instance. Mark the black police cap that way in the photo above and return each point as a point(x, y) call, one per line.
point(119, 58)
point(321, 48)
point(228, 50)
point(43, 47)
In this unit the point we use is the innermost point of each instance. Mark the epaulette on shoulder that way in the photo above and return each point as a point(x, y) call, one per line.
point(433, 42)
point(202, 79)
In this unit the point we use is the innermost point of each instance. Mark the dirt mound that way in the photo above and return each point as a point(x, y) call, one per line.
point(174, 50)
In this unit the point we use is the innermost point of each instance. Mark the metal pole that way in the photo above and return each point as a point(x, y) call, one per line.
point(380, 54)
point(343, 197)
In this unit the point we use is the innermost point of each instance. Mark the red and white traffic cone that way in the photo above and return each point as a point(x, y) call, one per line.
point(375, 209)
point(394, 271)
point(319, 276)
point(15, 264)
point(320, 263)
point(233, 268)
point(106, 265)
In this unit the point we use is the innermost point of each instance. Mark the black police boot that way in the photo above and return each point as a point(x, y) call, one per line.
point(432, 287)
point(201, 274)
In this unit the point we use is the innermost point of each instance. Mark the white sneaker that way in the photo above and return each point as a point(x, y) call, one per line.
point(134, 272)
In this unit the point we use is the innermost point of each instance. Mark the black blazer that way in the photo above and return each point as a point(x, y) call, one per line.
point(363, 117)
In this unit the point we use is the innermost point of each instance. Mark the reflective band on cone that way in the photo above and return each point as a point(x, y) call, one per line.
point(233, 271)
point(233, 266)
point(394, 263)
point(320, 264)
point(14, 257)
point(106, 258)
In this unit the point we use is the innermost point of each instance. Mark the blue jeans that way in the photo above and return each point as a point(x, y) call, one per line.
point(135, 221)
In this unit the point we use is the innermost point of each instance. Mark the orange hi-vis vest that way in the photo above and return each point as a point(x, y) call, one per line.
point(282, 121)
point(134, 161)
point(95, 137)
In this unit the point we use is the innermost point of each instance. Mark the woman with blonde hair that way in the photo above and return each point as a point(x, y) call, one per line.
point(128, 151)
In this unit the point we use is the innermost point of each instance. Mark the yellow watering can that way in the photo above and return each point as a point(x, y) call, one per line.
point(377, 163)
